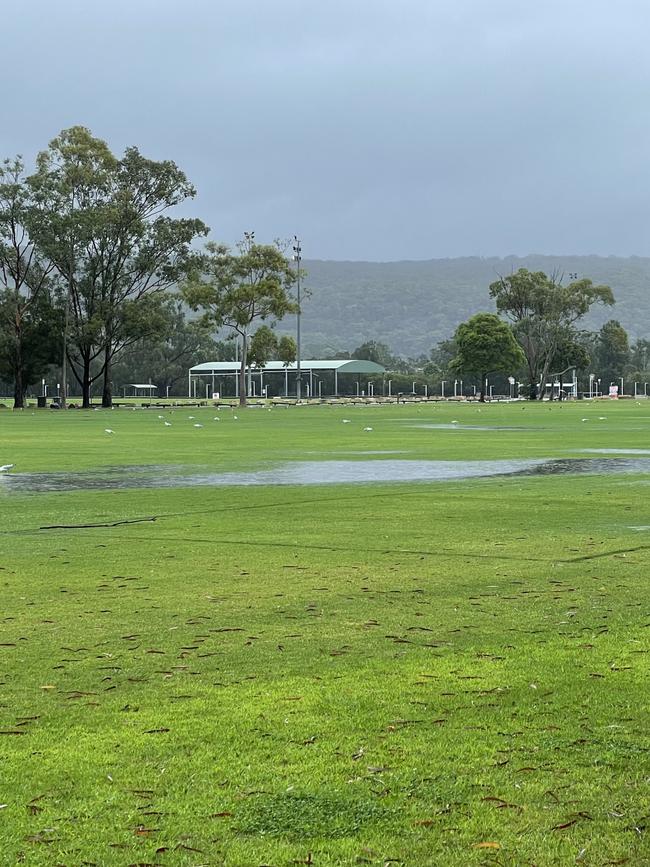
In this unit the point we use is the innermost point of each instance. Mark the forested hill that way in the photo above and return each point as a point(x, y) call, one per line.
point(412, 305)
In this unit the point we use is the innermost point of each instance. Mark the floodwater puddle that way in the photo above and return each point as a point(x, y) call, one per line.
point(328, 472)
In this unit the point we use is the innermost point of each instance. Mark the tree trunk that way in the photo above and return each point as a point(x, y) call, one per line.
point(85, 384)
point(242, 370)
point(482, 394)
point(107, 393)
point(19, 386)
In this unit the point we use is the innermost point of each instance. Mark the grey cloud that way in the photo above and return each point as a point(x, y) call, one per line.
point(377, 130)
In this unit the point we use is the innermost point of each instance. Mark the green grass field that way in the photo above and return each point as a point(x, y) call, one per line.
point(442, 673)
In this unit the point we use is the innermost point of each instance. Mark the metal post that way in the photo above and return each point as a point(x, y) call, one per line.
point(442, 387)
point(390, 386)
point(336, 383)
point(296, 258)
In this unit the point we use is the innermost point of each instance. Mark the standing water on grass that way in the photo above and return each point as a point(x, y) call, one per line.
point(315, 473)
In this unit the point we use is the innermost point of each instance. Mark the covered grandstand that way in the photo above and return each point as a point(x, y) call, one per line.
point(321, 377)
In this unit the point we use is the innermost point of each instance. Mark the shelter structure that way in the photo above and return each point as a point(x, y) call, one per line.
point(216, 374)
point(140, 389)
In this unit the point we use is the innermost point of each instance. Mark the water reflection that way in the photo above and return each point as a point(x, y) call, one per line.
point(314, 473)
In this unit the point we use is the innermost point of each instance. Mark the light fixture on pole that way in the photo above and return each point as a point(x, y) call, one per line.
point(297, 250)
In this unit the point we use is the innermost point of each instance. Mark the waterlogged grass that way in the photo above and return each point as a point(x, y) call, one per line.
point(424, 674)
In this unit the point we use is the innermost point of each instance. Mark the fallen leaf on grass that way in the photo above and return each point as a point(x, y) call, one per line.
point(225, 814)
point(572, 821)
point(487, 846)
point(155, 731)
point(141, 831)
point(500, 804)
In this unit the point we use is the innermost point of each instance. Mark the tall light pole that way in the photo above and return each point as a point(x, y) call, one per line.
point(297, 250)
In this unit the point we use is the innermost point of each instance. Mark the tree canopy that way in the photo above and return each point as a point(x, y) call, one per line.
point(485, 344)
point(101, 221)
point(236, 289)
point(544, 311)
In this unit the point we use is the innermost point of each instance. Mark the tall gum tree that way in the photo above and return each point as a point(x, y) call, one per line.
point(543, 312)
point(235, 290)
point(102, 222)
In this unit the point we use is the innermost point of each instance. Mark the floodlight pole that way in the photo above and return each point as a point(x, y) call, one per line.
point(296, 258)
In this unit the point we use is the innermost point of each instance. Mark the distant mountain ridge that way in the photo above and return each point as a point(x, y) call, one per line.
point(412, 305)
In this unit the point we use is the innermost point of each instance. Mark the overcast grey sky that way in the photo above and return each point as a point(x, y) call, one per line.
point(375, 130)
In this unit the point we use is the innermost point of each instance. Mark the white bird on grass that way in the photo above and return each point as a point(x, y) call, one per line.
point(168, 424)
point(198, 425)
point(108, 430)
point(346, 421)
point(367, 428)
point(5, 467)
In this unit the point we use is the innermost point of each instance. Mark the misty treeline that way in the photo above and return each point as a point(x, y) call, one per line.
point(537, 337)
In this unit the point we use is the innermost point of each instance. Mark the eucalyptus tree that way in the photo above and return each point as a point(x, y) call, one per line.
point(237, 289)
point(101, 220)
point(543, 312)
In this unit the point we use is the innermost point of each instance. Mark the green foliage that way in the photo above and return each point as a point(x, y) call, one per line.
point(612, 351)
point(544, 311)
point(238, 289)
point(486, 345)
point(373, 350)
point(263, 346)
point(28, 339)
point(102, 223)
point(166, 356)
point(287, 350)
